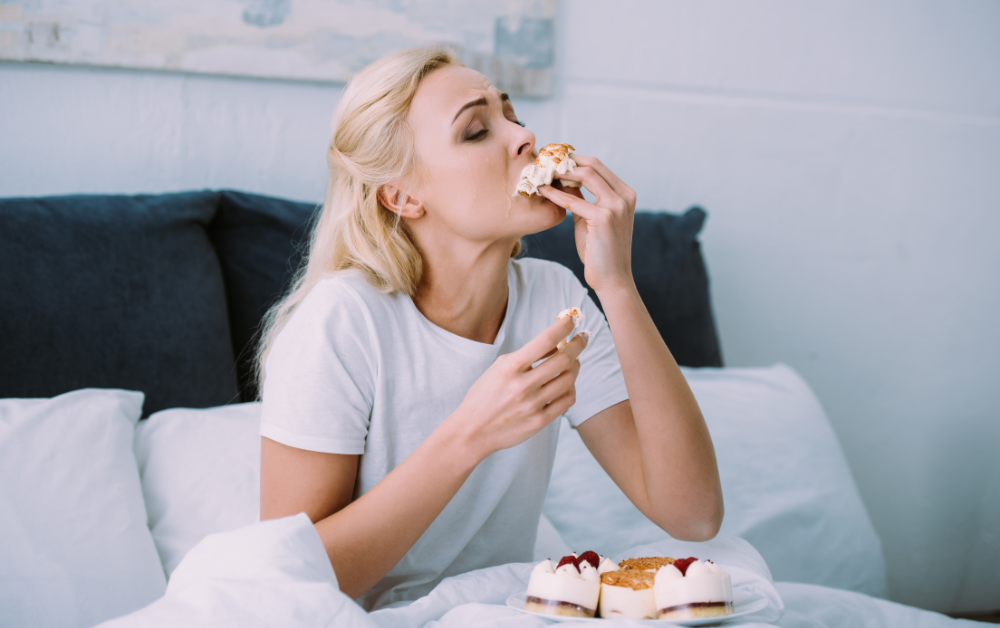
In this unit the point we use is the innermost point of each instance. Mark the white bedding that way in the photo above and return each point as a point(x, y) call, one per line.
point(788, 490)
point(276, 573)
point(787, 486)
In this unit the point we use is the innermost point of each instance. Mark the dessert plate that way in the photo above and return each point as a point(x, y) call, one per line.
point(744, 603)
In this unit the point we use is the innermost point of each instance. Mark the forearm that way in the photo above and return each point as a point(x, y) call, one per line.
point(678, 459)
point(366, 539)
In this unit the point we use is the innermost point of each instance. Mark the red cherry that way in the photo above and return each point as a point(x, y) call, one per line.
point(569, 560)
point(590, 557)
point(682, 564)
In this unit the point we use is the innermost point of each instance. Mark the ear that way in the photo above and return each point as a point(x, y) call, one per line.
point(406, 205)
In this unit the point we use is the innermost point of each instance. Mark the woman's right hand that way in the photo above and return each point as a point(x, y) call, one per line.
point(512, 401)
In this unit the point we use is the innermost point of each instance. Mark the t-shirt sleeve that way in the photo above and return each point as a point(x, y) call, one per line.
point(320, 375)
point(600, 383)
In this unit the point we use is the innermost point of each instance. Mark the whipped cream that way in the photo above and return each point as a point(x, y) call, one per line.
point(606, 566)
point(552, 160)
point(580, 586)
point(704, 582)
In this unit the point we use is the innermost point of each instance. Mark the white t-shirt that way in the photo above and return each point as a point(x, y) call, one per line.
point(359, 372)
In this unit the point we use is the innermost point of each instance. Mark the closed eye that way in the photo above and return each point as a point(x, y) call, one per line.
point(477, 136)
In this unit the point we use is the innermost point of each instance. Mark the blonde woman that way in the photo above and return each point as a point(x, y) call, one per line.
point(406, 406)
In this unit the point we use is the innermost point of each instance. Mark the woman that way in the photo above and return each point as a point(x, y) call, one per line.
point(406, 406)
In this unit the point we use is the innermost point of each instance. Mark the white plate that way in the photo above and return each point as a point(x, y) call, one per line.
point(744, 603)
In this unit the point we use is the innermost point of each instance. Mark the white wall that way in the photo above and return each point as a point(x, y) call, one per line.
point(848, 154)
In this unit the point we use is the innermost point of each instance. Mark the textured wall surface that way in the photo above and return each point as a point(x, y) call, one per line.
point(848, 155)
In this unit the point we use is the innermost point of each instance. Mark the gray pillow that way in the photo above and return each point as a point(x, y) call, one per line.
point(114, 292)
point(260, 241)
point(669, 272)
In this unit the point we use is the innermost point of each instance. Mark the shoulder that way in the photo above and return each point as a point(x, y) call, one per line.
point(347, 291)
point(340, 307)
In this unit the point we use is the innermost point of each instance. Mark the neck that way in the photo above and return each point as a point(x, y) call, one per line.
point(464, 288)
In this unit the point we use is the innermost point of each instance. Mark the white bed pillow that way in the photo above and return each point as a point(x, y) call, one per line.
point(787, 486)
point(74, 546)
point(200, 474)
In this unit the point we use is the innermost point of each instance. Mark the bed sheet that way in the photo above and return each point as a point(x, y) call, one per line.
point(813, 606)
point(276, 573)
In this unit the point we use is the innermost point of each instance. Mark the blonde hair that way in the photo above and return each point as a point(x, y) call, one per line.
point(371, 145)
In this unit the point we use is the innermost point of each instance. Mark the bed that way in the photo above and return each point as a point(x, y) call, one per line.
point(129, 451)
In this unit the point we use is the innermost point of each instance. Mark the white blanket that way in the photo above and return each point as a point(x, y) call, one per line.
point(276, 573)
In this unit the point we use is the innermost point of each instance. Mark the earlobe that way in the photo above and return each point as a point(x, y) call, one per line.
point(398, 202)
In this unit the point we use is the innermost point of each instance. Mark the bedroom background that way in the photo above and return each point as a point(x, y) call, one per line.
point(847, 154)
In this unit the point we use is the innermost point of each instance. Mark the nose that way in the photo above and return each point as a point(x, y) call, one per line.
point(524, 142)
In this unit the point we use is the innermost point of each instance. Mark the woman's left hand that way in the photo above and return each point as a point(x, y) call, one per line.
point(603, 228)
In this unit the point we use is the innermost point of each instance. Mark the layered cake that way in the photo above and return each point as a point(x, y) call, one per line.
point(552, 160)
point(570, 588)
point(628, 593)
point(691, 588)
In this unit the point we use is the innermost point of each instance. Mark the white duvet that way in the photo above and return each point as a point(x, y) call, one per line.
point(276, 573)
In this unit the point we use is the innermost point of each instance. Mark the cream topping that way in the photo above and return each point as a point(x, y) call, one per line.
point(544, 567)
point(569, 569)
point(565, 584)
point(552, 160)
point(606, 566)
point(587, 572)
point(703, 582)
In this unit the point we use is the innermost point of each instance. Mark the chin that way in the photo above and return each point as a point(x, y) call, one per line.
point(538, 214)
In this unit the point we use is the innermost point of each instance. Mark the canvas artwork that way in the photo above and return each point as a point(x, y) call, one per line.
point(510, 42)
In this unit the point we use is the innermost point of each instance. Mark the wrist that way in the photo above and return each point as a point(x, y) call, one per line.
point(624, 288)
point(459, 443)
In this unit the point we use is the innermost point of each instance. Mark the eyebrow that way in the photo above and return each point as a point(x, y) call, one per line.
point(476, 103)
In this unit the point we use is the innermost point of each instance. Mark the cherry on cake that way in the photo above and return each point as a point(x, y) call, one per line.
point(691, 588)
point(570, 588)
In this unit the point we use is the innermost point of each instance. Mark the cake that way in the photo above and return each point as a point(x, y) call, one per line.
point(691, 588)
point(570, 588)
point(627, 593)
point(552, 160)
point(651, 563)
point(577, 315)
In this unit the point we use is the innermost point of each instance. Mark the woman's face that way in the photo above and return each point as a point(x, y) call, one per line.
point(471, 149)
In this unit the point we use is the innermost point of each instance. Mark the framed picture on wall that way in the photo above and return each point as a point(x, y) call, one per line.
point(512, 43)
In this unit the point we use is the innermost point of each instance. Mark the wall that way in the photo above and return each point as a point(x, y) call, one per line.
point(848, 155)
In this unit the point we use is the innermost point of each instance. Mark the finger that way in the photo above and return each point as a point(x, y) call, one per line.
point(593, 181)
point(559, 405)
point(544, 343)
point(577, 192)
point(560, 362)
point(555, 386)
point(575, 204)
point(612, 179)
point(549, 354)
